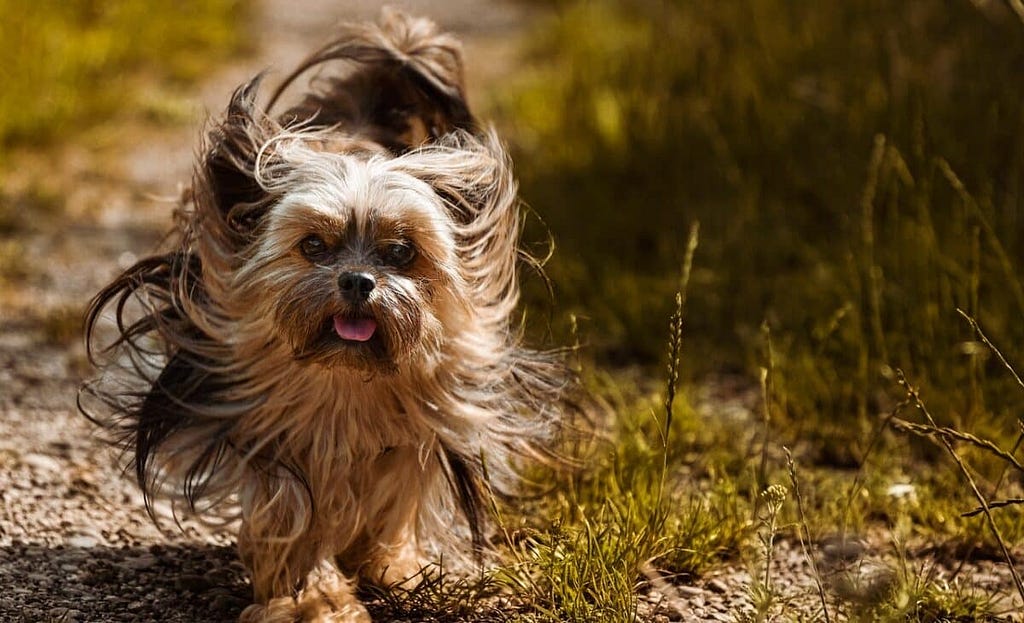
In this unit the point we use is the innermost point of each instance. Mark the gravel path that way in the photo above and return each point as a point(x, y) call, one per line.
point(75, 542)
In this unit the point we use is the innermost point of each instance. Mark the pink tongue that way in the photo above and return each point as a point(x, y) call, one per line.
point(354, 329)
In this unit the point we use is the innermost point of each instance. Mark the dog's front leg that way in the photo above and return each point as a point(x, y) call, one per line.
point(392, 555)
point(275, 567)
point(281, 546)
point(285, 593)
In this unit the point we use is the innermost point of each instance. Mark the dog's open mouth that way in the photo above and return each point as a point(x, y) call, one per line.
point(354, 329)
point(356, 338)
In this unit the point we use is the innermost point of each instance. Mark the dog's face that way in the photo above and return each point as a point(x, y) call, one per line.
point(354, 265)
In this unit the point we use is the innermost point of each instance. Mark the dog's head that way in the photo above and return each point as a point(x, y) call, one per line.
point(355, 263)
point(351, 256)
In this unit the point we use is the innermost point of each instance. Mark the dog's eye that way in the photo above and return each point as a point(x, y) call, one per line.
point(313, 247)
point(398, 254)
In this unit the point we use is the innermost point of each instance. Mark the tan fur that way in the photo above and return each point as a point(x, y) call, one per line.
point(343, 461)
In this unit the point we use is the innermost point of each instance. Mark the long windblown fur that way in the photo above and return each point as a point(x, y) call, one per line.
point(227, 395)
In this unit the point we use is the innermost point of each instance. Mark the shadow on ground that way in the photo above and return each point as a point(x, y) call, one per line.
point(194, 583)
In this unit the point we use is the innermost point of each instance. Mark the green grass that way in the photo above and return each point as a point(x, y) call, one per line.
point(65, 64)
point(856, 170)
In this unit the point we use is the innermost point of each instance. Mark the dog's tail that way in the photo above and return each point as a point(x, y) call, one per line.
point(400, 84)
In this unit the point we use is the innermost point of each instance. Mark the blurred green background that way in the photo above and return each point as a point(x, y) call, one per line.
point(67, 63)
point(856, 171)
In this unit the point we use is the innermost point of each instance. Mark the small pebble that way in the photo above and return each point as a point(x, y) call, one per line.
point(717, 586)
point(82, 541)
point(139, 563)
point(42, 463)
point(690, 591)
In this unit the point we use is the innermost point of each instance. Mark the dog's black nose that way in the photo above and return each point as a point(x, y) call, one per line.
point(356, 286)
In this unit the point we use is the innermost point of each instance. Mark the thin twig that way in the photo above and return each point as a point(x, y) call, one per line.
point(925, 430)
point(858, 479)
point(804, 532)
point(984, 338)
point(1016, 377)
point(916, 398)
point(996, 504)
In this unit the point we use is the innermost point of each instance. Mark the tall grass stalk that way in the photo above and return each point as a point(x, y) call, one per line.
point(676, 325)
point(1018, 8)
point(804, 533)
point(675, 339)
point(767, 378)
point(872, 272)
point(1007, 265)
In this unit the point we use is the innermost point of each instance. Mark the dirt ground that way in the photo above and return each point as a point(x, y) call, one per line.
point(75, 542)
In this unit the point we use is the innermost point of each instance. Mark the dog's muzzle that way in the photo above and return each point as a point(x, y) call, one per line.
point(356, 286)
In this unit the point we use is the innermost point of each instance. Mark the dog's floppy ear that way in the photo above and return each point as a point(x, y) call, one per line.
point(400, 83)
point(229, 188)
point(471, 173)
point(431, 60)
point(473, 176)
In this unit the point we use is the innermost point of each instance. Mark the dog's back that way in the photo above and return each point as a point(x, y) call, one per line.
point(397, 83)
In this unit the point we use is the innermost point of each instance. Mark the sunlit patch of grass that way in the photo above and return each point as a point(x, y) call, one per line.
point(65, 64)
point(704, 526)
point(588, 558)
point(633, 516)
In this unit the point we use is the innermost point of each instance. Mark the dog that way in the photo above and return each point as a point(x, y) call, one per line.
point(327, 352)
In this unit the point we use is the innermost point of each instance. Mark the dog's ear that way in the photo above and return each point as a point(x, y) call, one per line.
point(431, 60)
point(229, 185)
point(401, 83)
point(472, 174)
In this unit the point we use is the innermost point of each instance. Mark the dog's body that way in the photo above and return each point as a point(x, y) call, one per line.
point(328, 346)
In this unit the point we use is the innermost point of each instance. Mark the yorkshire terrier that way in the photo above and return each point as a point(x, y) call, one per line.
point(328, 351)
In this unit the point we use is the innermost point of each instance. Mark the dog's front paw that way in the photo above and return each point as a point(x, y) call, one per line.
point(329, 597)
point(314, 605)
point(280, 610)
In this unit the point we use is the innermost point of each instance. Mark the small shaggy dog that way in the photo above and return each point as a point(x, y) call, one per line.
point(327, 351)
